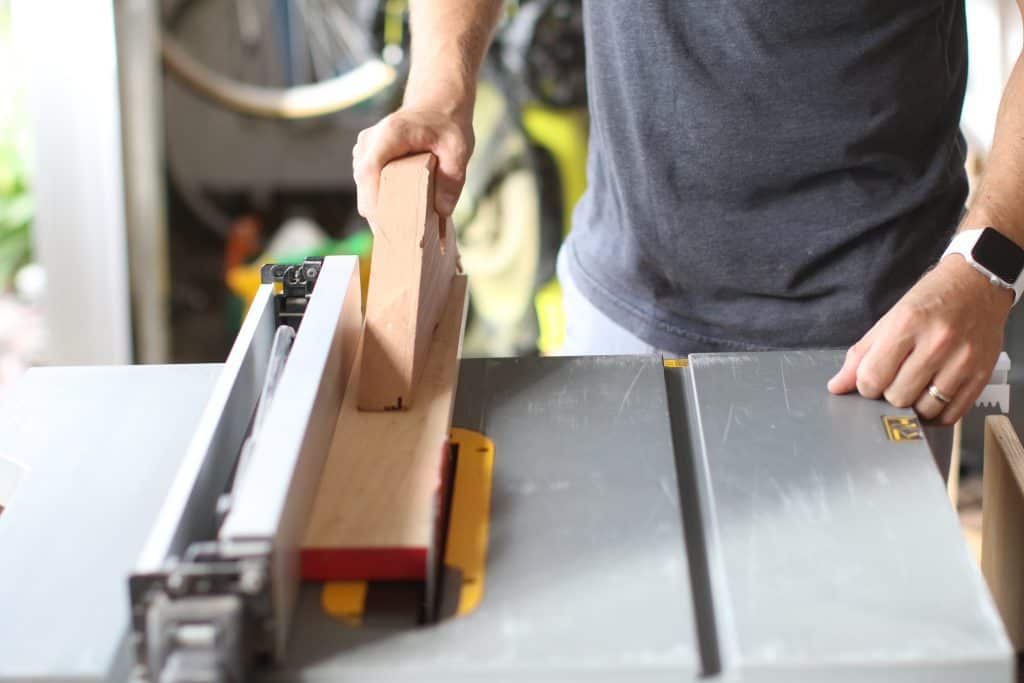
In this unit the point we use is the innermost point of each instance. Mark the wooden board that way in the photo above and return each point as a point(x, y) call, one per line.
point(414, 260)
point(376, 511)
point(1002, 530)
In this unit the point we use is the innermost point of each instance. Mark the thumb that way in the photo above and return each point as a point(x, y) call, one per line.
point(452, 159)
point(845, 380)
point(446, 195)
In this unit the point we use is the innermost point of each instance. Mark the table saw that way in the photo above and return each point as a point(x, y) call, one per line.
point(720, 517)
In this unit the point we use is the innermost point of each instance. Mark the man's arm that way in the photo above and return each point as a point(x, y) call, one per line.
point(449, 41)
point(948, 329)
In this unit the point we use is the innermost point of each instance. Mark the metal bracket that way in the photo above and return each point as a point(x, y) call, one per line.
point(207, 616)
point(297, 283)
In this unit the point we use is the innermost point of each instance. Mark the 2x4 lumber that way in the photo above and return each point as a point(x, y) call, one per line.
point(377, 511)
point(1002, 526)
point(414, 260)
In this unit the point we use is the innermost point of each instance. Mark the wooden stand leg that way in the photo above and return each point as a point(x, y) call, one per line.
point(953, 480)
point(1002, 546)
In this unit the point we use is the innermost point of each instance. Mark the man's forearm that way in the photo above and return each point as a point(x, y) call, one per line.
point(449, 41)
point(999, 201)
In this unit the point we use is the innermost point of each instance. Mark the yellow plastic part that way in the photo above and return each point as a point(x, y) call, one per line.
point(243, 281)
point(394, 18)
point(468, 528)
point(345, 600)
point(563, 133)
point(550, 317)
point(676, 362)
point(470, 517)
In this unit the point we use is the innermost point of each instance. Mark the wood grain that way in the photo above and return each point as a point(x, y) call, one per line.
point(1002, 545)
point(953, 478)
point(414, 260)
point(376, 511)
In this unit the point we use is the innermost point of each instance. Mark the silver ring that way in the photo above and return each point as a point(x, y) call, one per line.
point(935, 393)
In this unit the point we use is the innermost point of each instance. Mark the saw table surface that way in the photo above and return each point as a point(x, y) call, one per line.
point(586, 571)
point(730, 520)
point(101, 445)
point(815, 548)
point(834, 550)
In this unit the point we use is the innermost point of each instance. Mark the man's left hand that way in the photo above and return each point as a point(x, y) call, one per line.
point(947, 331)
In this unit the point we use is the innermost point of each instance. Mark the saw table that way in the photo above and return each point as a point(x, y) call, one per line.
point(723, 518)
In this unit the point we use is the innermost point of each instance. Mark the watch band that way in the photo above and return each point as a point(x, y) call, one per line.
point(963, 243)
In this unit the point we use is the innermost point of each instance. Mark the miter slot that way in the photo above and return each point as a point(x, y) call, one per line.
point(710, 613)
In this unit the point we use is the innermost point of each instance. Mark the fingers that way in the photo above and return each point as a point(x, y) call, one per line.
point(404, 133)
point(845, 380)
point(871, 364)
point(390, 139)
point(452, 153)
point(967, 375)
point(920, 367)
point(880, 364)
point(950, 381)
point(964, 398)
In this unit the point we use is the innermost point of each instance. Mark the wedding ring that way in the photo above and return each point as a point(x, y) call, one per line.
point(937, 394)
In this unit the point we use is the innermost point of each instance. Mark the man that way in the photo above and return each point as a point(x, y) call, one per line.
point(761, 175)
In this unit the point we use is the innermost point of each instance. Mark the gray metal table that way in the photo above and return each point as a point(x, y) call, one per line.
point(102, 445)
point(814, 548)
point(730, 519)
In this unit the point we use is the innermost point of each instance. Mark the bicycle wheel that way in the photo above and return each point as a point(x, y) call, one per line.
point(287, 59)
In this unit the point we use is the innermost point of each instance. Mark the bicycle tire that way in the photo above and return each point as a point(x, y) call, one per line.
point(299, 102)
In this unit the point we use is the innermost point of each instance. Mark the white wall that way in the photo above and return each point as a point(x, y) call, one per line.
point(67, 54)
point(994, 42)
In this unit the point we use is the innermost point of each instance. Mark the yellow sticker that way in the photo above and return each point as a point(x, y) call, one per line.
point(676, 362)
point(902, 428)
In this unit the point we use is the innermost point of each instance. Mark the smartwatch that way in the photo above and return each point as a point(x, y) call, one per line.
point(994, 255)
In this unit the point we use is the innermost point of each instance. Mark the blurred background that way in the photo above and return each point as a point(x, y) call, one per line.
point(154, 152)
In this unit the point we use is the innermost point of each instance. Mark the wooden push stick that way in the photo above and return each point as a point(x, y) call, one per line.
point(377, 510)
point(1002, 524)
point(414, 260)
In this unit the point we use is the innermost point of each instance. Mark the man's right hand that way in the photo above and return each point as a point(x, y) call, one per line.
point(411, 130)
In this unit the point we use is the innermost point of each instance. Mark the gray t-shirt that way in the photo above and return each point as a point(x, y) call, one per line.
point(767, 173)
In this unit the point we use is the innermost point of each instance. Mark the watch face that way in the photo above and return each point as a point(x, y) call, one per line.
point(999, 254)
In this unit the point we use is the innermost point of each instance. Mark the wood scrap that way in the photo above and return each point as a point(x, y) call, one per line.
point(414, 260)
point(376, 513)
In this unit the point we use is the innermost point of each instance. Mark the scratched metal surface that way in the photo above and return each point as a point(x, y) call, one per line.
point(102, 445)
point(842, 556)
point(587, 575)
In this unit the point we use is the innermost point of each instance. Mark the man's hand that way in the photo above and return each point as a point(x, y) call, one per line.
point(947, 331)
point(448, 134)
point(449, 41)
